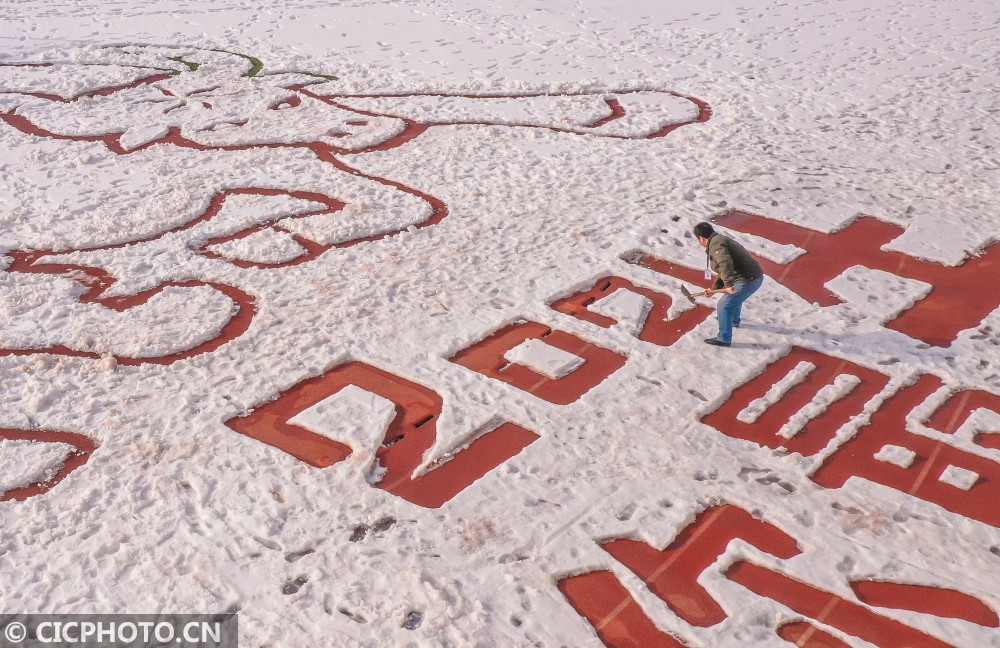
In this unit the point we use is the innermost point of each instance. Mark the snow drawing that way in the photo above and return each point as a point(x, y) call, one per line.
point(655, 326)
point(410, 432)
point(929, 462)
point(918, 437)
point(79, 449)
point(489, 358)
point(213, 100)
point(673, 574)
point(953, 304)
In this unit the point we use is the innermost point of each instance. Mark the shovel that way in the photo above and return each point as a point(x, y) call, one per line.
point(690, 296)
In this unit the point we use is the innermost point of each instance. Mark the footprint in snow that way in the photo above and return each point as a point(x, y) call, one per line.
point(361, 531)
point(413, 620)
point(292, 587)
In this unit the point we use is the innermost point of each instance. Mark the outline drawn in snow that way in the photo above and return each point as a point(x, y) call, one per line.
point(284, 91)
point(288, 96)
point(82, 445)
point(97, 280)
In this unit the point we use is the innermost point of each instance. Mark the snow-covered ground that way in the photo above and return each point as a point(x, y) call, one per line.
point(292, 187)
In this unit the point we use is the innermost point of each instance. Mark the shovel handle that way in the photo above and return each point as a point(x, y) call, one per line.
point(690, 295)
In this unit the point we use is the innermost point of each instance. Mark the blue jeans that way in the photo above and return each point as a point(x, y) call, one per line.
point(731, 306)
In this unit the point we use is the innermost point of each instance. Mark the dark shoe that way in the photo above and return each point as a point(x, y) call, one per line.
point(717, 342)
point(736, 324)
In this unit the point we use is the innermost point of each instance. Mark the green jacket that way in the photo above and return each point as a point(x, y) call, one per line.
point(730, 262)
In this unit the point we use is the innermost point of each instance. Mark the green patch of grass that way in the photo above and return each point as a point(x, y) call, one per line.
point(256, 65)
point(325, 77)
point(193, 67)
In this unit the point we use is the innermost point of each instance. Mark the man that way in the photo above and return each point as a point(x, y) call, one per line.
point(736, 272)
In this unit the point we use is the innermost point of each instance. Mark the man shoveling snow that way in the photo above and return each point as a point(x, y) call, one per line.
point(736, 273)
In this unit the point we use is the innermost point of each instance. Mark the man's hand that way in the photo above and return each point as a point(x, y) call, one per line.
point(731, 290)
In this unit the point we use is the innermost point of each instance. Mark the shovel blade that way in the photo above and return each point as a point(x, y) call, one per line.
point(687, 294)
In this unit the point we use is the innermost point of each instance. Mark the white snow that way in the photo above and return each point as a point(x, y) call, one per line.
point(27, 462)
point(959, 477)
point(628, 308)
point(264, 246)
point(352, 416)
point(820, 112)
point(543, 358)
point(764, 247)
point(758, 406)
point(896, 455)
point(876, 293)
point(842, 385)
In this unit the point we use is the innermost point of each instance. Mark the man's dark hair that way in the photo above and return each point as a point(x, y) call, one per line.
point(704, 230)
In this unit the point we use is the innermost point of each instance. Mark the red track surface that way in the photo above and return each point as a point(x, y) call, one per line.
point(617, 618)
point(818, 432)
point(927, 600)
point(806, 635)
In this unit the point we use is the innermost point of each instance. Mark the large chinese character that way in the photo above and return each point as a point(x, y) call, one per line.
point(955, 302)
point(798, 402)
point(613, 299)
point(294, 422)
point(672, 575)
point(801, 400)
point(553, 365)
point(885, 452)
